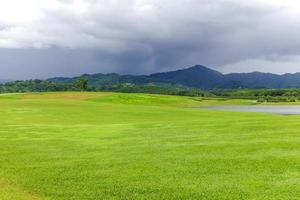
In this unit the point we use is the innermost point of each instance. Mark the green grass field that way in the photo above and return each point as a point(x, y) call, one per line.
point(137, 146)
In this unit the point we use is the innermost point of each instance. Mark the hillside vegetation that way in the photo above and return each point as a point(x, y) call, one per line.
point(82, 84)
point(198, 76)
point(194, 81)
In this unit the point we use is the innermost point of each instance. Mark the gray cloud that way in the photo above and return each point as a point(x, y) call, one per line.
point(68, 37)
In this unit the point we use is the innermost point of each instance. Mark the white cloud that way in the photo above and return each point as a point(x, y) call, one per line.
point(164, 33)
point(281, 64)
point(113, 24)
point(19, 12)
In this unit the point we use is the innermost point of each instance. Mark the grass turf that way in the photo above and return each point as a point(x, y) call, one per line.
point(138, 146)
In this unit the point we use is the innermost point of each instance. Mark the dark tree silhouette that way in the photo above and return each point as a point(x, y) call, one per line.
point(82, 83)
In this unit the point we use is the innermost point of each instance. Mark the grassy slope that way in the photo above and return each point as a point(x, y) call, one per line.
point(137, 146)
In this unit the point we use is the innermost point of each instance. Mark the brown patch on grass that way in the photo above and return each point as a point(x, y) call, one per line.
point(65, 95)
point(10, 192)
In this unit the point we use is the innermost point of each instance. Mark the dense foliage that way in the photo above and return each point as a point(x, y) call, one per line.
point(155, 89)
point(262, 95)
point(82, 84)
point(35, 86)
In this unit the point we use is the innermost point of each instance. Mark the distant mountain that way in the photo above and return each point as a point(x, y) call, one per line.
point(264, 80)
point(197, 76)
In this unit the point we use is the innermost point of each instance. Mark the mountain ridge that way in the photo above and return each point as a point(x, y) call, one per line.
point(197, 76)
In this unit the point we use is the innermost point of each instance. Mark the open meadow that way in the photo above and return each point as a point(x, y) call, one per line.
point(62, 146)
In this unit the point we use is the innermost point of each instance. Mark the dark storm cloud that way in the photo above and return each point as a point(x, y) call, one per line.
point(68, 37)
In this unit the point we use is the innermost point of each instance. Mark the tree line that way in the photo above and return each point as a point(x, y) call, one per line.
point(82, 84)
point(261, 95)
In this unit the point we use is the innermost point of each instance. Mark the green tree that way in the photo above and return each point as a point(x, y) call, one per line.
point(82, 83)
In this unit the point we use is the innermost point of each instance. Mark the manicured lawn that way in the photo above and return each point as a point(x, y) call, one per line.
point(137, 146)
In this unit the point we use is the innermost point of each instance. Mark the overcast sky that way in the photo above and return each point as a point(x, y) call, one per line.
point(46, 38)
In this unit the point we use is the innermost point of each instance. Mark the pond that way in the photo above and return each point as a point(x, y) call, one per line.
point(284, 110)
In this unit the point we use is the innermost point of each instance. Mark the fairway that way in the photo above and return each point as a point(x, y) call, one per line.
point(61, 146)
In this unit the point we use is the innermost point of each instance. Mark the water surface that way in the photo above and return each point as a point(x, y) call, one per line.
point(284, 110)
